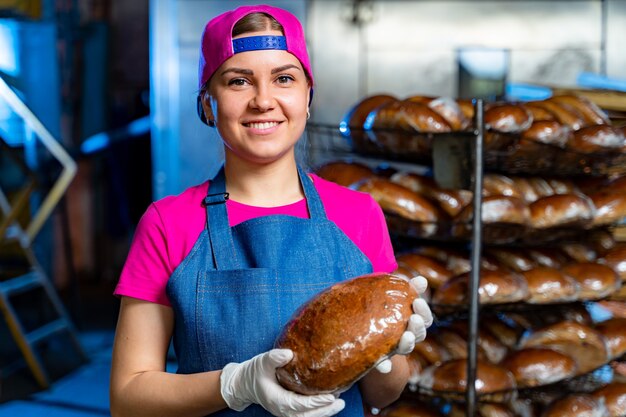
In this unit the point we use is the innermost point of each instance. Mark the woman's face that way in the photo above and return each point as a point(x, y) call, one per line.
point(259, 100)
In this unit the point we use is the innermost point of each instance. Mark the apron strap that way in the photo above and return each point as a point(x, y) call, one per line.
point(313, 200)
point(220, 234)
point(219, 230)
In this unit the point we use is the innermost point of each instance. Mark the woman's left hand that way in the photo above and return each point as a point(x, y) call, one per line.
point(419, 321)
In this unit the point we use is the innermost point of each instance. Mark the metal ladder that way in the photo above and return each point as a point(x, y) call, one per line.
point(21, 275)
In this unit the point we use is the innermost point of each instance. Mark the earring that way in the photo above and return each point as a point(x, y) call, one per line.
point(308, 114)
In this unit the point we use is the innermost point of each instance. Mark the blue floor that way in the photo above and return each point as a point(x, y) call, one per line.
point(82, 393)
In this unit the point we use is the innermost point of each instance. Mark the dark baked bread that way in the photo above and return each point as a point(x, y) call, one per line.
point(451, 112)
point(610, 207)
point(498, 184)
point(343, 332)
point(496, 287)
point(579, 251)
point(420, 117)
point(592, 114)
point(354, 119)
point(452, 377)
point(601, 138)
point(614, 397)
point(539, 366)
point(482, 410)
point(344, 173)
point(413, 409)
point(568, 117)
point(579, 405)
point(548, 257)
point(435, 272)
point(616, 259)
point(549, 285)
point(583, 343)
point(397, 199)
point(595, 280)
point(614, 332)
point(507, 118)
point(564, 210)
point(548, 132)
point(498, 209)
point(512, 258)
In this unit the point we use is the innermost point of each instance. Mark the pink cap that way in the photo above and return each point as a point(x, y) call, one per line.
point(217, 43)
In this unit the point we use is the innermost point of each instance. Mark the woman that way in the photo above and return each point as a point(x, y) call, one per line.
point(222, 270)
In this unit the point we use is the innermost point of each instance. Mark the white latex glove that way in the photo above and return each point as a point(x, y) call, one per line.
point(254, 381)
point(419, 321)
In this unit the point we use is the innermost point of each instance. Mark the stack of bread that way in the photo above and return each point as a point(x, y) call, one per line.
point(549, 134)
point(513, 206)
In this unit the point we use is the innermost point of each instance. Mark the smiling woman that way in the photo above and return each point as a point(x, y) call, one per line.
point(221, 267)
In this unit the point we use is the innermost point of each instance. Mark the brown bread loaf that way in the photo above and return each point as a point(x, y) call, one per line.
point(564, 210)
point(549, 285)
point(533, 367)
point(592, 114)
point(435, 272)
point(496, 287)
point(413, 409)
point(498, 209)
point(507, 118)
point(579, 405)
point(600, 138)
point(616, 259)
point(344, 173)
point(452, 377)
point(400, 200)
point(548, 132)
point(353, 121)
point(583, 343)
point(451, 112)
point(343, 332)
point(610, 207)
point(614, 397)
point(595, 280)
point(614, 332)
point(566, 116)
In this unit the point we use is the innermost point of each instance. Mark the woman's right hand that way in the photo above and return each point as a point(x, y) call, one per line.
point(254, 381)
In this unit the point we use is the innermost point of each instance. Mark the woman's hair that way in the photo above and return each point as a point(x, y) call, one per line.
point(256, 22)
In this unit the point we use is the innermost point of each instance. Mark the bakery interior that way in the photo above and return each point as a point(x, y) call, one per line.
point(438, 109)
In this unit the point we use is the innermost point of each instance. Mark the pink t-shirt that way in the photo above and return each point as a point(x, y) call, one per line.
point(171, 226)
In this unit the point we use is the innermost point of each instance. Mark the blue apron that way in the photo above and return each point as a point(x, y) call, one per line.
point(239, 286)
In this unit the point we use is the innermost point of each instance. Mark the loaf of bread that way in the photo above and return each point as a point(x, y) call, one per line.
point(512, 258)
point(548, 132)
point(616, 259)
point(534, 367)
point(581, 405)
point(451, 201)
point(579, 251)
point(435, 272)
point(583, 343)
point(408, 116)
point(507, 118)
point(564, 210)
point(614, 332)
point(548, 257)
point(610, 207)
point(595, 280)
point(344, 172)
point(354, 120)
point(482, 410)
point(568, 117)
point(617, 185)
point(452, 377)
point(490, 348)
point(456, 261)
point(549, 285)
point(539, 113)
point(591, 113)
point(451, 112)
point(394, 198)
point(343, 332)
point(430, 351)
point(498, 209)
point(526, 189)
point(592, 139)
point(498, 184)
point(412, 409)
point(496, 287)
point(614, 397)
